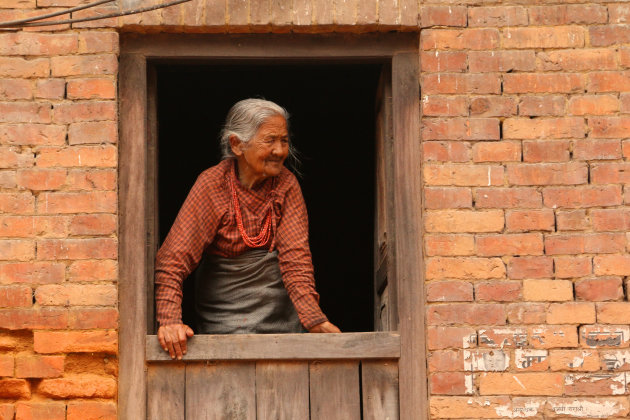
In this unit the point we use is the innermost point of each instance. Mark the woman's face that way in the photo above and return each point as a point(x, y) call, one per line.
point(264, 155)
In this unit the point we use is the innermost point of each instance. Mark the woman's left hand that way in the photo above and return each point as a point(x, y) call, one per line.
point(324, 327)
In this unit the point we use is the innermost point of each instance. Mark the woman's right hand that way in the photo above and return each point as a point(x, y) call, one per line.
point(173, 339)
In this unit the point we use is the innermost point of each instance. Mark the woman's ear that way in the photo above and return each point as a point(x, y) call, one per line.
point(236, 145)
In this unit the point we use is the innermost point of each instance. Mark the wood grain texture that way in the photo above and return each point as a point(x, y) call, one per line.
point(282, 391)
point(323, 12)
point(380, 389)
point(166, 391)
point(152, 208)
point(221, 391)
point(132, 237)
point(377, 345)
point(408, 226)
point(335, 391)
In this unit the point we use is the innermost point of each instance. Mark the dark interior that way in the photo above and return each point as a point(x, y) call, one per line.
point(332, 126)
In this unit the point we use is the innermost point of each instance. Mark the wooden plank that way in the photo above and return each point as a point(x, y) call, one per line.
point(408, 227)
point(380, 389)
point(335, 391)
point(221, 391)
point(373, 345)
point(282, 391)
point(166, 391)
point(270, 45)
point(132, 237)
point(152, 208)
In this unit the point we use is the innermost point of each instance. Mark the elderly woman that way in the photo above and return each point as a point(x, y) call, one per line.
point(246, 217)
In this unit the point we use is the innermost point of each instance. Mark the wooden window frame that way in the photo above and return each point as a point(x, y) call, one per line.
point(138, 129)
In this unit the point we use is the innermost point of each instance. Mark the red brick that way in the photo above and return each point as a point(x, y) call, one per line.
point(93, 270)
point(582, 196)
point(507, 198)
point(548, 174)
point(98, 42)
point(93, 132)
point(22, 43)
point(536, 106)
point(595, 384)
point(554, 37)
point(445, 151)
point(88, 156)
point(613, 313)
point(614, 406)
point(442, 16)
point(609, 173)
point(17, 203)
point(444, 106)
point(615, 265)
point(468, 407)
point(445, 361)
point(609, 127)
point(597, 243)
point(547, 128)
point(567, 14)
point(93, 224)
point(39, 366)
point(90, 318)
point(498, 291)
point(543, 83)
point(75, 342)
point(604, 336)
point(464, 221)
point(21, 319)
point(32, 272)
point(7, 179)
point(15, 89)
point(91, 410)
point(571, 267)
point(78, 65)
point(497, 16)
point(529, 220)
point(461, 129)
point(553, 336)
point(625, 146)
point(22, 112)
point(14, 388)
point(32, 134)
point(77, 249)
point(459, 39)
point(599, 289)
point(611, 219)
point(593, 105)
point(445, 198)
point(41, 179)
point(509, 244)
point(437, 61)
point(530, 268)
point(465, 268)
point(40, 411)
point(450, 337)
point(80, 179)
point(572, 220)
point(50, 89)
point(82, 202)
point(91, 89)
point(448, 383)
point(546, 151)
point(454, 83)
point(12, 157)
point(449, 291)
point(571, 313)
point(618, 13)
point(15, 249)
point(84, 386)
point(577, 60)
point(544, 384)
point(504, 151)
point(79, 111)
point(466, 313)
point(501, 61)
point(463, 175)
point(449, 245)
point(624, 57)
point(15, 297)
point(597, 149)
point(526, 313)
point(20, 67)
point(574, 360)
point(76, 295)
point(609, 81)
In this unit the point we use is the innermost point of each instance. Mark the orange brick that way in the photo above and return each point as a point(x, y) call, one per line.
point(567, 14)
point(463, 175)
point(608, 81)
point(76, 295)
point(599, 289)
point(445, 361)
point(610, 173)
point(609, 127)
point(442, 16)
point(529, 220)
point(17, 203)
point(83, 202)
point(613, 313)
point(543, 83)
point(553, 336)
point(450, 245)
point(92, 156)
point(618, 360)
point(595, 384)
point(453, 83)
point(444, 106)
point(449, 291)
point(501, 337)
point(554, 37)
point(39, 366)
point(507, 198)
point(461, 129)
point(546, 151)
point(93, 270)
point(79, 111)
point(23, 43)
point(537, 106)
point(15, 249)
point(604, 336)
point(466, 313)
point(91, 89)
point(14, 388)
point(464, 221)
point(572, 220)
point(526, 313)
point(93, 224)
point(80, 179)
point(571, 267)
point(548, 174)
point(574, 360)
point(531, 360)
point(571, 313)
point(449, 198)
point(98, 42)
point(91, 410)
point(15, 296)
point(504, 151)
point(32, 272)
point(454, 407)
point(448, 383)
point(89, 318)
point(598, 243)
point(547, 290)
point(577, 60)
point(20, 67)
point(41, 179)
point(597, 149)
point(593, 105)
point(459, 39)
point(50, 88)
point(84, 386)
point(40, 411)
point(497, 16)
point(22, 112)
point(498, 291)
point(493, 106)
point(13, 157)
point(510, 244)
point(7, 362)
point(78, 65)
point(437, 61)
point(530, 268)
point(501, 61)
point(15, 89)
point(613, 407)
point(526, 128)
point(48, 249)
point(445, 151)
point(32, 134)
point(521, 383)
point(21, 319)
point(611, 219)
point(464, 268)
point(75, 342)
point(450, 337)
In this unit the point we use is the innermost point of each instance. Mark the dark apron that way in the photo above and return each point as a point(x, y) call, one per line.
point(243, 295)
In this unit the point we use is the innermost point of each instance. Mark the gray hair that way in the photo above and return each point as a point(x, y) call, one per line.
point(245, 118)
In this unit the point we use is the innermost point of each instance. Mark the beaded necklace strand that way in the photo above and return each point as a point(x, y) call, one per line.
point(265, 231)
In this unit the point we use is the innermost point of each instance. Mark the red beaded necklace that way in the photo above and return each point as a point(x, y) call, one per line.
point(265, 231)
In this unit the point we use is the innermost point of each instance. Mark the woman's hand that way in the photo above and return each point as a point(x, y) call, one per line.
point(173, 338)
point(324, 327)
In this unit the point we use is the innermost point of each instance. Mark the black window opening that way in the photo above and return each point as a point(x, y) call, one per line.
point(332, 109)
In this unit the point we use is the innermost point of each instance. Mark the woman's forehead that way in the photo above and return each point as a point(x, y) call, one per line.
point(275, 124)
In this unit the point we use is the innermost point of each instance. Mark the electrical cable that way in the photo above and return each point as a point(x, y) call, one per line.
point(111, 15)
point(53, 14)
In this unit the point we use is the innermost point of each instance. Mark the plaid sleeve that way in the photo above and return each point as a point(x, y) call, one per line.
point(182, 250)
point(294, 256)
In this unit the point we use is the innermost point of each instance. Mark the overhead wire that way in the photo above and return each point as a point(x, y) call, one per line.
point(54, 14)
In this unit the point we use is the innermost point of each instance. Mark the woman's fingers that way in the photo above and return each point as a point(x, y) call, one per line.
point(324, 327)
point(173, 339)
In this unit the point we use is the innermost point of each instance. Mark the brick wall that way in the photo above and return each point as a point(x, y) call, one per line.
point(526, 155)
